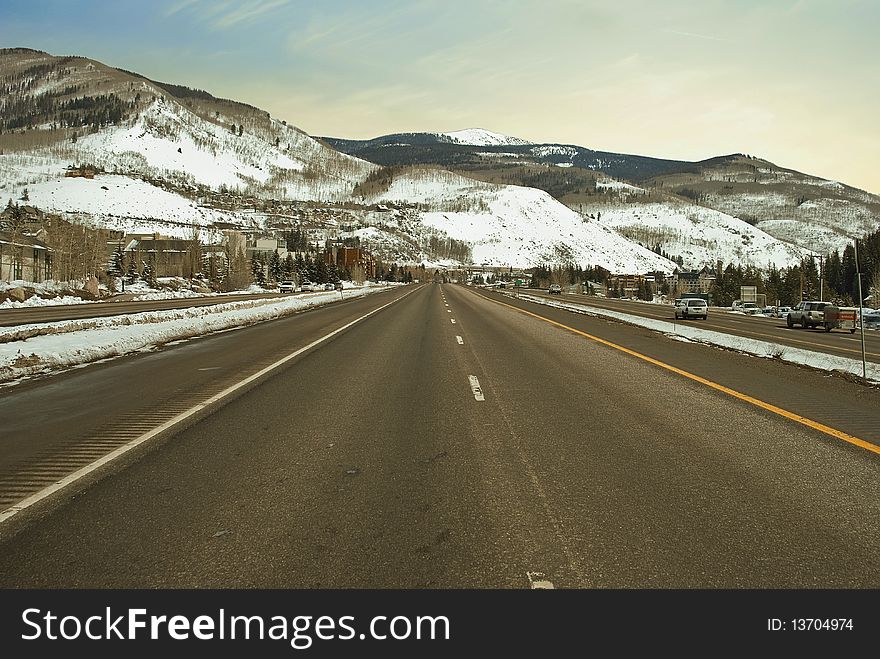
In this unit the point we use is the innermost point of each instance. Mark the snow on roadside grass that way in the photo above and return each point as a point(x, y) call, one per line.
point(37, 301)
point(679, 332)
point(34, 349)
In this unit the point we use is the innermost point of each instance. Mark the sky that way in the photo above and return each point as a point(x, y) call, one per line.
point(794, 81)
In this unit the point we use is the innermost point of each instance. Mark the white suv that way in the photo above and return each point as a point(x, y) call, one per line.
point(807, 314)
point(691, 307)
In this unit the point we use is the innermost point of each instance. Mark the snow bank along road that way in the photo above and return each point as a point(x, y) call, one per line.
point(26, 315)
point(839, 342)
point(452, 438)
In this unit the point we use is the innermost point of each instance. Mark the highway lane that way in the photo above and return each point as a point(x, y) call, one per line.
point(492, 451)
point(30, 315)
point(837, 342)
point(55, 424)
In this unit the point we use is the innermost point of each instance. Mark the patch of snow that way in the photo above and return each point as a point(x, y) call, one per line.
point(553, 150)
point(619, 186)
point(37, 301)
point(481, 137)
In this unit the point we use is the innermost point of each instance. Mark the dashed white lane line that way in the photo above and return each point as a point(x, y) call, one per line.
point(475, 387)
point(460, 340)
point(539, 584)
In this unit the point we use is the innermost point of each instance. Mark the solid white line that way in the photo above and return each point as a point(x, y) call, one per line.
point(475, 387)
point(460, 340)
point(125, 448)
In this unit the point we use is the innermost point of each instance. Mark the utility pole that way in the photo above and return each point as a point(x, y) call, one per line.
point(861, 316)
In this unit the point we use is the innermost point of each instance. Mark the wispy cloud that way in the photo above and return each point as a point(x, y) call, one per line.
point(225, 14)
point(698, 36)
point(179, 6)
point(248, 11)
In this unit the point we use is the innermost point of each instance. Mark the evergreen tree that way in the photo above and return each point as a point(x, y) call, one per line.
point(148, 274)
point(257, 270)
point(288, 267)
point(132, 275)
point(322, 273)
point(299, 267)
point(118, 269)
point(275, 269)
point(312, 268)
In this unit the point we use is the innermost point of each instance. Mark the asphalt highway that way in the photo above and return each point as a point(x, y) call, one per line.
point(454, 438)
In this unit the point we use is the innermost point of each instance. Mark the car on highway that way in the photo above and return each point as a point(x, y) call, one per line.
point(287, 286)
point(781, 312)
point(328, 286)
point(308, 287)
point(871, 318)
point(750, 309)
point(691, 307)
point(555, 289)
point(807, 314)
point(338, 286)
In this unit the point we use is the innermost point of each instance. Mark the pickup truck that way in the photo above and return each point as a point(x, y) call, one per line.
point(807, 314)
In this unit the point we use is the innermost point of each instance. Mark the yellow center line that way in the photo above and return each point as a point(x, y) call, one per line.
point(815, 425)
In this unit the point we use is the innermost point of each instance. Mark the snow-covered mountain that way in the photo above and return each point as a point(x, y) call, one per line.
point(132, 126)
point(168, 157)
point(700, 236)
point(815, 213)
point(509, 225)
point(482, 137)
point(807, 211)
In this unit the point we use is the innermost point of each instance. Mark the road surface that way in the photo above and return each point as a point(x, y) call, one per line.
point(454, 438)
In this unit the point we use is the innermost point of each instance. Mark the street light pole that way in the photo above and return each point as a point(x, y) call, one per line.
point(861, 315)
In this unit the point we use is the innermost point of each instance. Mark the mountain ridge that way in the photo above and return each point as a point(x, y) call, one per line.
point(223, 161)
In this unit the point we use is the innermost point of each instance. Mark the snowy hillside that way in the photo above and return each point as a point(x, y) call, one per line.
point(124, 203)
point(516, 226)
point(809, 211)
point(176, 157)
point(166, 141)
point(482, 137)
point(701, 236)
